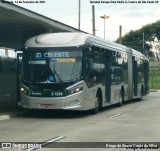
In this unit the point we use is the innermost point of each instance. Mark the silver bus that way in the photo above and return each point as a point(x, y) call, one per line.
point(78, 71)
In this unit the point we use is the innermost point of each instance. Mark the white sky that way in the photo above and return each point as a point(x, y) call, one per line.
point(130, 16)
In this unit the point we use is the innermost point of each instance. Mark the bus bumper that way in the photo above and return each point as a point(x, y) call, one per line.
point(71, 102)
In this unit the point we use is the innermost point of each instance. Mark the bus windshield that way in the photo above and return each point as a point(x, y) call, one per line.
point(52, 70)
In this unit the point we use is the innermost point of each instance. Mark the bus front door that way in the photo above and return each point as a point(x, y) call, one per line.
point(135, 78)
point(19, 65)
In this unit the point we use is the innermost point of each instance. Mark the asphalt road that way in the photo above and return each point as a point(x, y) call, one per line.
point(136, 121)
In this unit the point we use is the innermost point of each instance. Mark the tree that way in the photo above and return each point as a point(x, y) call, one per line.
point(151, 43)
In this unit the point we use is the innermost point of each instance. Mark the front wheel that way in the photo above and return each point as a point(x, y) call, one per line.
point(96, 108)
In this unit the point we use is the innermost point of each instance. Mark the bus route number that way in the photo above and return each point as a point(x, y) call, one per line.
point(57, 93)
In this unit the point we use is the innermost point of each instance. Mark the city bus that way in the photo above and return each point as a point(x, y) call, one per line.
point(78, 71)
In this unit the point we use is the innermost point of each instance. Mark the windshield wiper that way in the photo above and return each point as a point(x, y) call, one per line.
point(58, 76)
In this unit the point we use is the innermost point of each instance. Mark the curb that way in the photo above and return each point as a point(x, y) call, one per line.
point(11, 115)
point(154, 90)
point(4, 117)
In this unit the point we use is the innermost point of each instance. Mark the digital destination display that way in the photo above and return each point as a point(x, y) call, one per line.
point(58, 54)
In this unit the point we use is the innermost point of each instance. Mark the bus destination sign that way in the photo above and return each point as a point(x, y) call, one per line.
point(57, 54)
point(52, 54)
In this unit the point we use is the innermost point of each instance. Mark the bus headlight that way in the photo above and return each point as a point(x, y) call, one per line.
point(23, 90)
point(76, 89)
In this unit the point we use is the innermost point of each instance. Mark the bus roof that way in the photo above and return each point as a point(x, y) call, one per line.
point(67, 39)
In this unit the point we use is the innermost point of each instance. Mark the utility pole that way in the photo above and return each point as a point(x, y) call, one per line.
point(143, 44)
point(93, 20)
point(120, 34)
point(79, 15)
point(104, 17)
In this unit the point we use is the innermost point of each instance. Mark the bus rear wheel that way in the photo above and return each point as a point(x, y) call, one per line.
point(141, 94)
point(121, 98)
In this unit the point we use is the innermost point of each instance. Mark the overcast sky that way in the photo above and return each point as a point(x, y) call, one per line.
point(130, 16)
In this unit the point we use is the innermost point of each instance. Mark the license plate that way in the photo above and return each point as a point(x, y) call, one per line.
point(46, 106)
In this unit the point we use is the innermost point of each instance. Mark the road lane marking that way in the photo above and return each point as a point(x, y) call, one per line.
point(115, 115)
point(52, 140)
point(143, 104)
point(45, 143)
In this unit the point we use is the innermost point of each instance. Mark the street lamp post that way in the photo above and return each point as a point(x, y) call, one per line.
point(104, 17)
point(79, 15)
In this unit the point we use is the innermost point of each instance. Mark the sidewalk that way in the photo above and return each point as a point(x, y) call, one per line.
point(9, 109)
point(154, 90)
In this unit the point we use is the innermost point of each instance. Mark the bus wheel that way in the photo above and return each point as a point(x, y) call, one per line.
point(121, 100)
point(141, 94)
point(96, 109)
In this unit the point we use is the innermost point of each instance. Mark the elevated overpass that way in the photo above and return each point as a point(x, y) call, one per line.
point(17, 24)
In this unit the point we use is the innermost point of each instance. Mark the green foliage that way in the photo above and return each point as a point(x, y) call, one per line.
point(154, 78)
point(134, 39)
